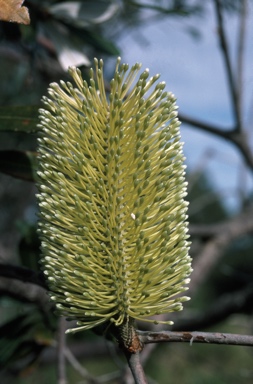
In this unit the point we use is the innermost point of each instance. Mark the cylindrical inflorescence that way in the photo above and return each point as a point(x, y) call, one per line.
point(112, 189)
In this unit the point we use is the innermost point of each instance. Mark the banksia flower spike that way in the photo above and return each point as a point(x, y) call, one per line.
point(111, 197)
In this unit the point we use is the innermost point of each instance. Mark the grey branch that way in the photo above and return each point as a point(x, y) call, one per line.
point(135, 365)
point(23, 292)
point(23, 274)
point(228, 304)
point(242, 224)
point(214, 248)
point(196, 337)
point(225, 51)
point(61, 364)
point(241, 48)
point(239, 139)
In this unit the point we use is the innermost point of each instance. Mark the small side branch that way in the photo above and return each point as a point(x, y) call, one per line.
point(196, 337)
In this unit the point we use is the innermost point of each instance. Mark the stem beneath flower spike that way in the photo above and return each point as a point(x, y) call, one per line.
point(131, 345)
point(134, 363)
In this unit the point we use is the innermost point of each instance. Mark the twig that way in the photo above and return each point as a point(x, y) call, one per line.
point(61, 371)
point(20, 291)
point(228, 304)
point(228, 66)
point(23, 274)
point(108, 377)
point(166, 11)
point(232, 135)
point(75, 363)
point(222, 132)
point(78, 367)
point(240, 225)
point(240, 49)
point(196, 337)
point(215, 247)
point(79, 350)
point(134, 363)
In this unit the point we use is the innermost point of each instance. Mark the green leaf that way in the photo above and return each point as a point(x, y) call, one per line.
point(29, 246)
point(12, 334)
point(98, 41)
point(84, 13)
point(71, 43)
point(70, 49)
point(22, 339)
point(19, 119)
point(19, 164)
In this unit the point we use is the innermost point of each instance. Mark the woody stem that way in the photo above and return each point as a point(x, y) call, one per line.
point(134, 363)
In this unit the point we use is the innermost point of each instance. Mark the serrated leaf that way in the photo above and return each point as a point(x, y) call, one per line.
point(19, 164)
point(19, 119)
point(12, 11)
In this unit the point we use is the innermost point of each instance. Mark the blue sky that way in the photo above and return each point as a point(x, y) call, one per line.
point(193, 70)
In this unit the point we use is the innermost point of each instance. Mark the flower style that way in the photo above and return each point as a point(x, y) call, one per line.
point(111, 197)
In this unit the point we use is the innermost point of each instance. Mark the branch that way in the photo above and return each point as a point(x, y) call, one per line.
point(176, 11)
point(25, 275)
point(196, 337)
point(239, 139)
point(238, 226)
point(210, 128)
point(228, 304)
point(28, 293)
point(19, 290)
point(214, 248)
point(235, 135)
point(240, 49)
point(228, 66)
point(61, 366)
point(134, 363)
point(80, 369)
point(93, 349)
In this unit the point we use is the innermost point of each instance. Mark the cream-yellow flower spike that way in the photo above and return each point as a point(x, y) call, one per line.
point(111, 196)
